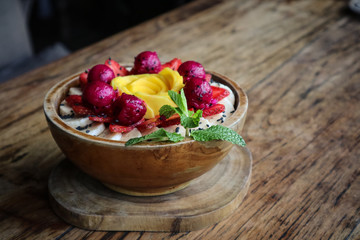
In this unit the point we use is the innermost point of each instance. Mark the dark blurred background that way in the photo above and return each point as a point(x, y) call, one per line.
point(36, 32)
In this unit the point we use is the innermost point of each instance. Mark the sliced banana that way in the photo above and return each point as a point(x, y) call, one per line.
point(94, 129)
point(65, 110)
point(146, 132)
point(78, 123)
point(176, 128)
point(110, 135)
point(75, 91)
point(132, 134)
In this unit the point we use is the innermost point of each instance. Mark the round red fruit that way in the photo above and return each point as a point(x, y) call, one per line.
point(102, 73)
point(147, 62)
point(99, 94)
point(128, 109)
point(191, 69)
point(198, 93)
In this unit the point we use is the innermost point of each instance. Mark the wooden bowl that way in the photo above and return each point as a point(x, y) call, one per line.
point(147, 169)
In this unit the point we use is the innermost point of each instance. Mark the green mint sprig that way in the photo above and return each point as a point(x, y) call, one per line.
point(188, 119)
point(160, 135)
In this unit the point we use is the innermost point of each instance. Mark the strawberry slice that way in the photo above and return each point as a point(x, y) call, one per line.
point(77, 104)
point(83, 78)
point(115, 128)
point(149, 124)
point(219, 93)
point(82, 110)
point(117, 68)
point(217, 108)
point(170, 122)
point(101, 119)
point(74, 100)
point(208, 77)
point(173, 64)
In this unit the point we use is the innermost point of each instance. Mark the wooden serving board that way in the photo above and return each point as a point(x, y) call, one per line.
point(86, 203)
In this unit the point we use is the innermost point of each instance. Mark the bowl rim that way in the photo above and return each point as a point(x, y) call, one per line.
point(51, 111)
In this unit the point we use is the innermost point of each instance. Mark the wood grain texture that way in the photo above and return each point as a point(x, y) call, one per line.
point(299, 63)
point(86, 203)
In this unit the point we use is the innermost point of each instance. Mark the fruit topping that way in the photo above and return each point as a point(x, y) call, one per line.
point(128, 109)
point(147, 62)
point(173, 64)
point(101, 72)
point(198, 93)
point(213, 110)
point(116, 67)
point(115, 128)
point(152, 88)
point(99, 94)
point(219, 93)
point(190, 69)
point(77, 104)
point(83, 78)
point(208, 77)
point(102, 119)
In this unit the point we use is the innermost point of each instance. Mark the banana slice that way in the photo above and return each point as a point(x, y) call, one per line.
point(65, 110)
point(132, 134)
point(75, 91)
point(176, 128)
point(94, 129)
point(110, 135)
point(78, 123)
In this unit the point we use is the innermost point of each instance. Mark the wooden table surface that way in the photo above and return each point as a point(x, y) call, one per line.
point(299, 62)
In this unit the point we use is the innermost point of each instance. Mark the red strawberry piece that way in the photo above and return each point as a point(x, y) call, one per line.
point(115, 128)
point(82, 110)
point(101, 119)
point(215, 109)
point(74, 100)
point(208, 77)
point(79, 107)
point(173, 64)
point(117, 68)
point(219, 93)
point(170, 122)
point(149, 123)
point(83, 78)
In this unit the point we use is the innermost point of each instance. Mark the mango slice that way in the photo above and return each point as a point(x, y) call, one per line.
point(152, 88)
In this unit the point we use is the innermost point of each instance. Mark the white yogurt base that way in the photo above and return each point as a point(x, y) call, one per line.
point(84, 124)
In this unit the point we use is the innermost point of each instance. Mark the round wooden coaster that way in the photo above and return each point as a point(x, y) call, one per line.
point(86, 203)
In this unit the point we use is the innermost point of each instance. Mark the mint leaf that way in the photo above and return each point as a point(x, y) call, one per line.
point(192, 121)
point(218, 132)
point(160, 135)
point(167, 111)
point(179, 100)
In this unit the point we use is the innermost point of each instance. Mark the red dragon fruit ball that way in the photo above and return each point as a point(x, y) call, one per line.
point(128, 109)
point(147, 62)
point(102, 73)
point(191, 69)
point(99, 94)
point(198, 93)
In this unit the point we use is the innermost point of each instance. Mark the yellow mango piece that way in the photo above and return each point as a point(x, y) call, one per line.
point(151, 88)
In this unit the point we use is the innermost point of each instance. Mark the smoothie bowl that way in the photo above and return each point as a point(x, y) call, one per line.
point(125, 158)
